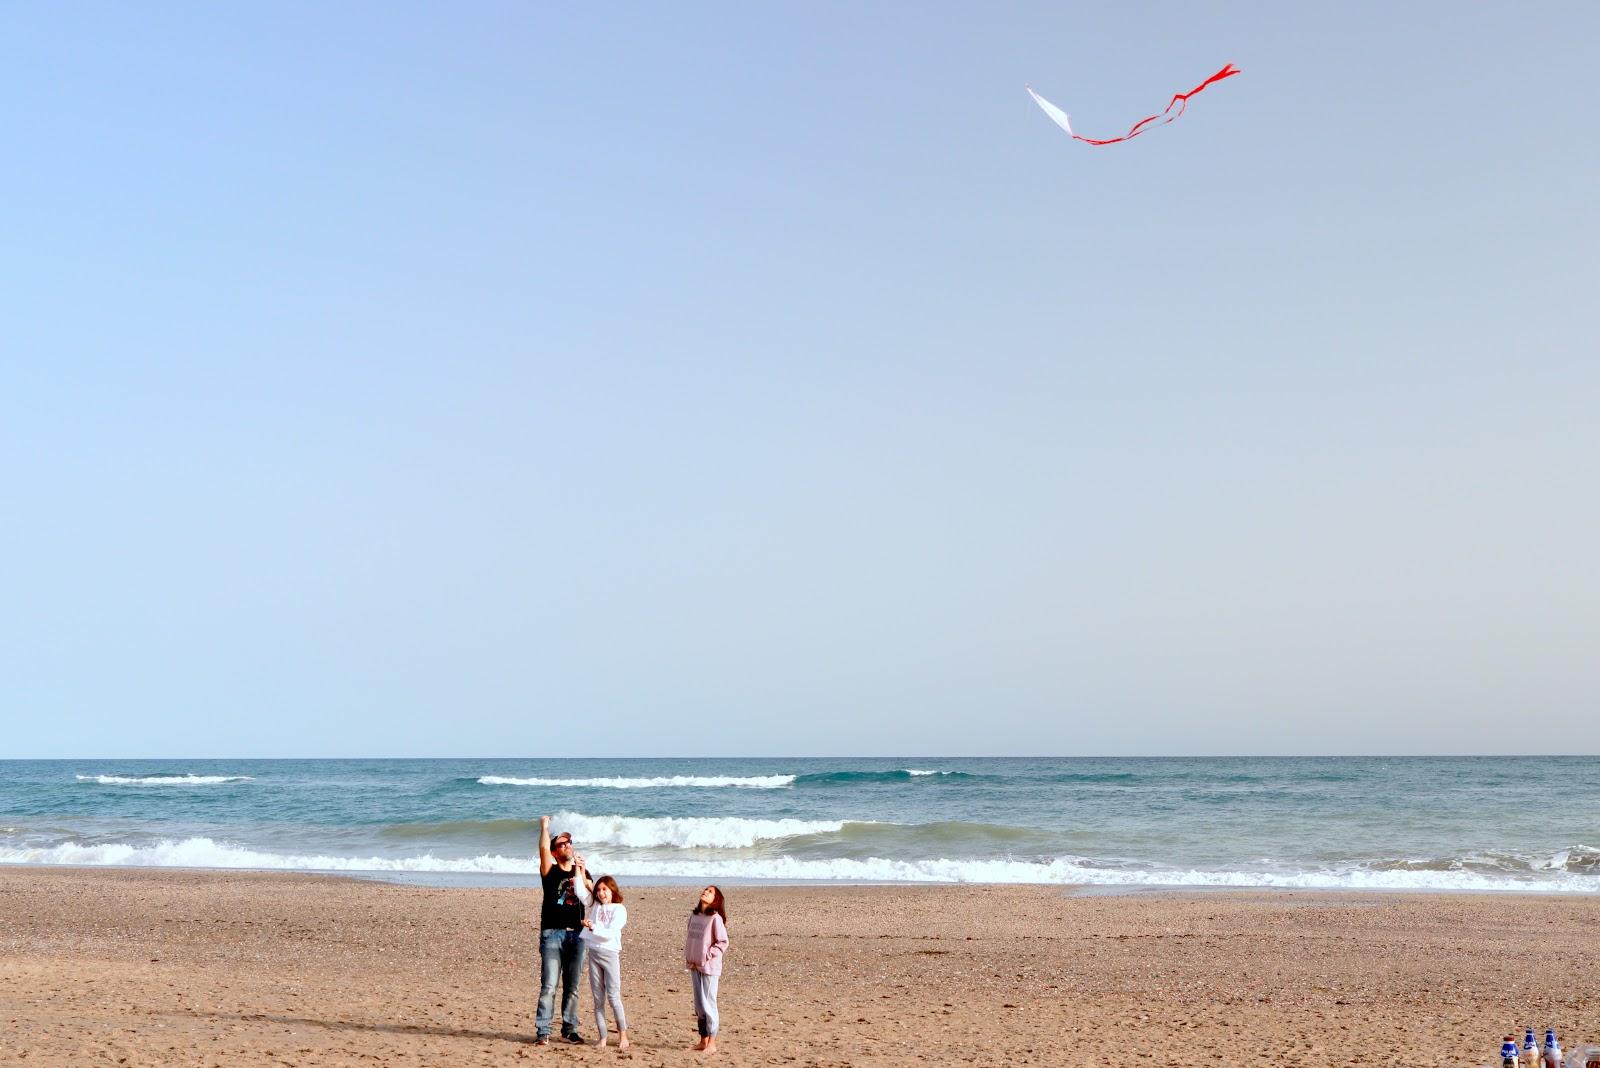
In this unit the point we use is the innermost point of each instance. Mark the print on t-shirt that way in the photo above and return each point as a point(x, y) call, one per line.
point(562, 908)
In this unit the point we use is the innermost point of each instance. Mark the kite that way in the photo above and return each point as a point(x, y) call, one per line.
point(1179, 101)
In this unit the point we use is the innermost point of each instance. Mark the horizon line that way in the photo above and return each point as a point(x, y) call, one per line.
point(838, 756)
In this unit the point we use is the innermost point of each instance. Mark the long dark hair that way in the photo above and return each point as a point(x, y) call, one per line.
point(718, 904)
point(616, 891)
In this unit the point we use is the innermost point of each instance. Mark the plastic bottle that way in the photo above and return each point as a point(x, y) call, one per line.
point(1508, 1053)
point(1552, 1049)
point(1583, 1057)
point(1530, 1051)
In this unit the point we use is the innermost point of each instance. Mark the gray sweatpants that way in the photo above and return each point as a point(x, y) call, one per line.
point(605, 986)
point(705, 1002)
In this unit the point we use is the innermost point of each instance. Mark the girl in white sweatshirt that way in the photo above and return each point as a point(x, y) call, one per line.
point(604, 918)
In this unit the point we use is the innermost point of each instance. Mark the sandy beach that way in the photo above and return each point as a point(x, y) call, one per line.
point(208, 968)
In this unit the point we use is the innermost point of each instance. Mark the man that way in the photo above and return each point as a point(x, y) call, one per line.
point(560, 924)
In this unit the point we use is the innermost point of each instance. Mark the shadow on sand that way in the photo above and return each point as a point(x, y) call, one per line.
point(353, 1025)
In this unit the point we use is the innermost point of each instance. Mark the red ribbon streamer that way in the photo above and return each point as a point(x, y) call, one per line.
point(1179, 100)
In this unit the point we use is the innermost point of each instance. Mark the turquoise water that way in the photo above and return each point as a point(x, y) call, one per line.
point(1526, 823)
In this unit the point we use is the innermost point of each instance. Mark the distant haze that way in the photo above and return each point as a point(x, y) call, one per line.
point(740, 379)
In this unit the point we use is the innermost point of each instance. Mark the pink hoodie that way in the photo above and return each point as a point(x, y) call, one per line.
point(706, 943)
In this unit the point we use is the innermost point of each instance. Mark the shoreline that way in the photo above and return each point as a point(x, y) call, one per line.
point(231, 967)
point(446, 880)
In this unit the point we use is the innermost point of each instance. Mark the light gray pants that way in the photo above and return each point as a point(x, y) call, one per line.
point(605, 986)
point(705, 1002)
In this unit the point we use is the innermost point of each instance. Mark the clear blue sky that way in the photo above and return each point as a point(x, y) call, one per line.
point(502, 380)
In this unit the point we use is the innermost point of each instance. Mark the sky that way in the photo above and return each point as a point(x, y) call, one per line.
point(506, 380)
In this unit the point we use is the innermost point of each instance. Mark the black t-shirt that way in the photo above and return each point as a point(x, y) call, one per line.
point(562, 908)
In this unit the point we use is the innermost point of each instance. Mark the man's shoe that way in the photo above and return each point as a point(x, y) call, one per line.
point(574, 1038)
point(542, 1040)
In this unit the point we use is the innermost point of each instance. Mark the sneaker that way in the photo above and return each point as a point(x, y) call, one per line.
point(574, 1038)
point(542, 1040)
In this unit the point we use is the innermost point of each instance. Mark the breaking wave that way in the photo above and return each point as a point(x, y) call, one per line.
point(842, 778)
point(626, 832)
point(208, 853)
point(751, 782)
point(164, 780)
point(684, 832)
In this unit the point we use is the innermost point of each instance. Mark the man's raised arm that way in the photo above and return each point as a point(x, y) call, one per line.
point(545, 857)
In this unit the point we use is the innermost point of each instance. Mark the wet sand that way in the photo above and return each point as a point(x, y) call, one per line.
point(107, 967)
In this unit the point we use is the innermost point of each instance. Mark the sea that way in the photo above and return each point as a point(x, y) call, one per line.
point(1517, 824)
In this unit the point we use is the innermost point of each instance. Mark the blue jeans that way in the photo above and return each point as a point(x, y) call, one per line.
point(560, 956)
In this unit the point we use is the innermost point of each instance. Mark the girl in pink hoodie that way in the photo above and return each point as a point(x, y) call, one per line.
point(702, 954)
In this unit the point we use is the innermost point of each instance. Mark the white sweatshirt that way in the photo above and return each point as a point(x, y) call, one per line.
point(607, 920)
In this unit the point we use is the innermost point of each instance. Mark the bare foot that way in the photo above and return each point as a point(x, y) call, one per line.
point(622, 1042)
point(710, 1046)
point(601, 1041)
point(699, 1046)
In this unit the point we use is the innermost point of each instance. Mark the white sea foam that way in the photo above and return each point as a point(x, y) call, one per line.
point(683, 832)
point(206, 853)
point(163, 780)
point(1072, 871)
point(751, 782)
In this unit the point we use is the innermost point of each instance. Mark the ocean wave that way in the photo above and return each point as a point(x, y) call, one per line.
point(846, 778)
point(1077, 871)
point(626, 832)
point(750, 782)
point(684, 832)
point(706, 832)
point(1579, 859)
point(207, 853)
point(944, 834)
point(163, 780)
